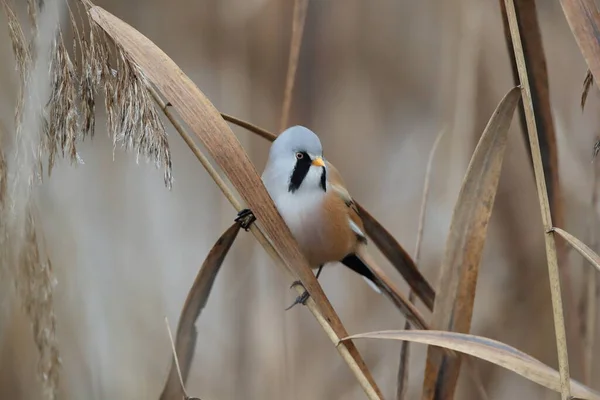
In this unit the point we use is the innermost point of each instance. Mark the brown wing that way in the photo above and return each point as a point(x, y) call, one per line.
point(337, 184)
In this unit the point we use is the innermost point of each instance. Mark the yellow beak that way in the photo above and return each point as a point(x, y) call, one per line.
point(318, 162)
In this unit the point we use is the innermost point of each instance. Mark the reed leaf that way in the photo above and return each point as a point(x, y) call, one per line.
point(490, 350)
point(584, 20)
point(535, 62)
point(581, 247)
point(464, 247)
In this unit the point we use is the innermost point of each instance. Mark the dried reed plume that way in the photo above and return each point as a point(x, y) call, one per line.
point(36, 286)
point(23, 263)
point(22, 57)
point(54, 113)
point(61, 112)
point(134, 119)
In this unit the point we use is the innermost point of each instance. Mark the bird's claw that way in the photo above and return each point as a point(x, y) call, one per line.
point(300, 299)
point(245, 218)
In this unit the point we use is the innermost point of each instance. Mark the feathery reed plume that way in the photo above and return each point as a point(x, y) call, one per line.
point(35, 282)
point(23, 266)
point(33, 8)
point(137, 124)
point(88, 81)
point(61, 109)
point(22, 57)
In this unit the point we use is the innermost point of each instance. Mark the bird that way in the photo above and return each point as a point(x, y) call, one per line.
point(311, 196)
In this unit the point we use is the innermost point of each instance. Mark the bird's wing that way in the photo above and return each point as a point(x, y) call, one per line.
point(336, 183)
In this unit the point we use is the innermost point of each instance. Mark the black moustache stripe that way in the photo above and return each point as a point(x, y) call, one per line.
point(324, 179)
point(301, 170)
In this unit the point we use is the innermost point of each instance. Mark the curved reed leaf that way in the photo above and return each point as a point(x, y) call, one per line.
point(584, 20)
point(581, 247)
point(489, 350)
point(464, 247)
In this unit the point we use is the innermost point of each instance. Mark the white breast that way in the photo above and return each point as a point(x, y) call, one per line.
point(301, 213)
point(300, 210)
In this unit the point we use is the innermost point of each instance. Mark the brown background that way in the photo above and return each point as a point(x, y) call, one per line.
point(377, 80)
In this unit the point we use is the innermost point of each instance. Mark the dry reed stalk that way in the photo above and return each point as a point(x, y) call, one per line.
point(22, 55)
point(592, 288)
point(176, 362)
point(553, 271)
point(535, 62)
point(185, 395)
point(489, 350)
point(224, 148)
point(3, 175)
point(591, 291)
point(402, 377)
point(250, 127)
point(298, 22)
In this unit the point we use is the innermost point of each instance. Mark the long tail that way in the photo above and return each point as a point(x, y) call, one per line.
point(382, 284)
point(353, 262)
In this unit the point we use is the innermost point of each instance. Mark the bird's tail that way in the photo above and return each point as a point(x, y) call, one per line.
point(363, 265)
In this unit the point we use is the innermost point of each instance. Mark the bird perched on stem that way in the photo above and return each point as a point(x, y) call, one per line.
point(310, 195)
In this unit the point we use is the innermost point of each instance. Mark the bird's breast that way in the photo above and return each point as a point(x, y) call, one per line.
point(303, 215)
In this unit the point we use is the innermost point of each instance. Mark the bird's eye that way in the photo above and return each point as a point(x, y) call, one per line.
point(299, 156)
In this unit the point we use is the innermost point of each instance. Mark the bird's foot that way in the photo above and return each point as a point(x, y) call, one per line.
point(300, 299)
point(245, 218)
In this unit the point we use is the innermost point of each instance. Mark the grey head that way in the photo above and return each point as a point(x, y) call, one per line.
point(296, 162)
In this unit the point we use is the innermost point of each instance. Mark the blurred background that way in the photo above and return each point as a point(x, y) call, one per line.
point(377, 80)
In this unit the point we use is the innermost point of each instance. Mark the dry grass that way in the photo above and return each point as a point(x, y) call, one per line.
point(56, 110)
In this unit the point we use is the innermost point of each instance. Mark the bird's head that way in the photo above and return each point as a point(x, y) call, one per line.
point(297, 155)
